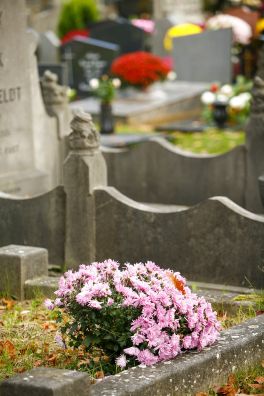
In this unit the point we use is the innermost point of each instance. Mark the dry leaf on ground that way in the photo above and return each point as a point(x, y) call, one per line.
point(8, 347)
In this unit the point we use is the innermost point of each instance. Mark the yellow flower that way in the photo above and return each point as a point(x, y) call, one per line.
point(183, 29)
point(260, 26)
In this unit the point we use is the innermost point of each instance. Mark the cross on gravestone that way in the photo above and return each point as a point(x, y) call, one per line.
point(86, 59)
point(16, 103)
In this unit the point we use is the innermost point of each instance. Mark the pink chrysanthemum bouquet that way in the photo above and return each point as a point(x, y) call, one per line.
point(139, 313)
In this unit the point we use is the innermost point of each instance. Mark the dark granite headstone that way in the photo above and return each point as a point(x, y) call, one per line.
point(59, 69)
point(86, 59)
point(122, 33)
point(204, 57)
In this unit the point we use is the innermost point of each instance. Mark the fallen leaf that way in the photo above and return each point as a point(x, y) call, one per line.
point(201, 394)
point(259, 380)
point(227, 390)
point(257, 386)
point(8, 303)
point(49, 326)
point(82, 362)
point(52, 359)
point(20, 370)
point(99, 374)
point(177, 283)
point(8, 347)
point(38, 363)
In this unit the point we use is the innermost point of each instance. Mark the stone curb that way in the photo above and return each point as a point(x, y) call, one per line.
point(238, 347)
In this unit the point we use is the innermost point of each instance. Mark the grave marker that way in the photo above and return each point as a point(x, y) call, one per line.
point(86, 59)
point(122, 33)
point(204, 57)
point(17, 162)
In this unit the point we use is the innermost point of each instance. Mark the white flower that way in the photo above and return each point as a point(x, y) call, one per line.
point(171, 76)
point(246, 96)
point(226, 90)
point(208, 98)
point(222, 98)
point(116, 82)
point(237, 102)
point(94, 83)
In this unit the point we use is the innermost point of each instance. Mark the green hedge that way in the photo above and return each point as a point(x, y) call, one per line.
point(76, 14)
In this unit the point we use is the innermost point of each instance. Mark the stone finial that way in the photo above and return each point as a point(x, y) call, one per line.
point(84, 134)
point(258, 96)
point(53, 93)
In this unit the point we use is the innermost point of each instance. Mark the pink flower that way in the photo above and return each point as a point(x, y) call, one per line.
point(49, 304)
point(59, 341)
point(121, 361)
point(146, 357)
point(163, 308)
point(110, 302)
point(133, 351)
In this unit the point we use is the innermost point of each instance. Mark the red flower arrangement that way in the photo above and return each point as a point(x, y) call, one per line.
point(139, 69)
point(74, 34)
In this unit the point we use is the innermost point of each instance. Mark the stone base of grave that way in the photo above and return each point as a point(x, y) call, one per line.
point(17, 265)
point(44, 381)
point(24, 184)
point(163, 102)
point(45, 285)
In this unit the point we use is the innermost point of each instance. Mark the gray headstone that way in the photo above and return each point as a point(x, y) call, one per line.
point(161, 28)
point(18, 264)
point(87, 59)
point(204, 57)
point(16, 99)
point(182, 11)
point(31, 140)
point(48, 48)
point(44, 381)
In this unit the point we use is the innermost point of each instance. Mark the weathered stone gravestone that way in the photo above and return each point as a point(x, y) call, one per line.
point(29, 141)
point(16, 138)
point(122, 33)
point(87, 59)
point(59, 69)
point(180, 11)
point(204, 57)
point(48, 47)
point(161, 27)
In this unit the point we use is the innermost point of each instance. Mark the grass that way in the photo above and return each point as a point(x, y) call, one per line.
point(211, 141)
point(249, 381)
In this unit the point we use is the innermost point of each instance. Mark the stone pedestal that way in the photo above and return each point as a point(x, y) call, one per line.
point(18, 264)
point(46, 382)
point(84, 170)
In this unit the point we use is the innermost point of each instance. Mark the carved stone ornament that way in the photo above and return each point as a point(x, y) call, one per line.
point(52, 92)
point(84, 134)
point(258, 96)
